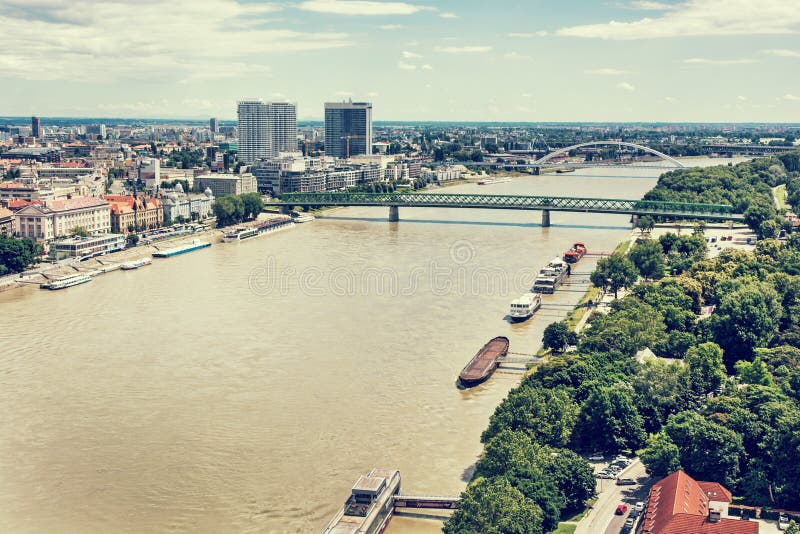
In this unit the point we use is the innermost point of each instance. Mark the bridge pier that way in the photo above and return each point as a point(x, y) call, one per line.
point(394, 214)
point(536, 171)
point(286, 210)
point(634, 220)
point(545, 218)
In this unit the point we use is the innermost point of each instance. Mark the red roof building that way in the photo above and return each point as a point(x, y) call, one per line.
point(128, 212)
point(678, 504)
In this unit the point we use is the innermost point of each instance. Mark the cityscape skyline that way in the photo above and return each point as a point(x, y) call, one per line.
point(693, 61)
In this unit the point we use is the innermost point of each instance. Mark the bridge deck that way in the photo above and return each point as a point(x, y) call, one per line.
point(516, 202)
point(426, 501)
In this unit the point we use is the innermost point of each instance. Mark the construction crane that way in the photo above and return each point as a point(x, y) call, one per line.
point(347, 138)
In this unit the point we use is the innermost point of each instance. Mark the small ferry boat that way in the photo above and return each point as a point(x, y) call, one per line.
point(551, 276)
point(524, 307)
point(484, 363)
point(195, 245)
point(135, 264)
point(490, 181)
point(370, 506)
point(574, 254)
point(67, 281)
point(562, 171)
point(302, 218)
point(267, 227)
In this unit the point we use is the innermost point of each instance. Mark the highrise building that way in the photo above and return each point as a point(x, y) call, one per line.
point(254, 142)
point(348, 128)
point(36, 127)
point(212, 123)
point(282, 127)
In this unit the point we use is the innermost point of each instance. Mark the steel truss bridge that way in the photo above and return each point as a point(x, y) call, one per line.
point(545, 204)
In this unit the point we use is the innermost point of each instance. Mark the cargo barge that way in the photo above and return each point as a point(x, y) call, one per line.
point(370, 506)
point(574, 254)
point(181, 250)
point(484, 363)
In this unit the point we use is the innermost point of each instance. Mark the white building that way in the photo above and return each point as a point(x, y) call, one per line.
point(178, 204)
point(228, 184)
point(78, 247)
point(150, 173)
point(59, 217)
point(282, 121)
point(254, 142)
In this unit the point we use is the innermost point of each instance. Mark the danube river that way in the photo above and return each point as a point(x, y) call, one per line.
point(245, 387)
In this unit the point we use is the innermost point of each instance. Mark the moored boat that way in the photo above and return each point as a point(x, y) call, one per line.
point(67, 281)
point(575, 253)
point(135, 264)
point(551, 276)
point(484, 363)
point(267, 227)
point(490, 181)
point(304, 218)
point(195, 245)
point(525, 306)
point(370, 506)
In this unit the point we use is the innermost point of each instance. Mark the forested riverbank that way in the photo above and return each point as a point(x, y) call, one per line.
point(725, 406)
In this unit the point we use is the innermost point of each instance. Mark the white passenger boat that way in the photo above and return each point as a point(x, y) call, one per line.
point(490, 181)
point(267, 227)
point(135, 264)
point(304, 218)
point(525, 306)
point(370, 506)
point(68, 281)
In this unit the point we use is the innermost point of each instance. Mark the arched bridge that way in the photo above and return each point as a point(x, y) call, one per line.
point(643, 148)
point(546, 204)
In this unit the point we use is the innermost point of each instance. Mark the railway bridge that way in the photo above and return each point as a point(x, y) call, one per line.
point(545, 204)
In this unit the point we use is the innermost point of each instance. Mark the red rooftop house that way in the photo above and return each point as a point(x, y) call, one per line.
point(678, 504)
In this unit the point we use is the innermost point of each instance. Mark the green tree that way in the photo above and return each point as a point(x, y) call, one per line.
point(573, 476)
point(493, 506)
point(645, 224)
point(608, 422)
point(252, 204)
point(614, 273)
point(648, 257)
point(708, 450)
point(769, 229)
point(754, 372)
point(706, 368)
point(661, 457)
point(504, 451)
point(557, 336)
point(16, 255)
point(757, 213)
point(746, 319)
point(132, 240)
point(79, 231)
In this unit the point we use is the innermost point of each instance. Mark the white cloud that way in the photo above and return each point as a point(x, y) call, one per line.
point(410, 55)
point(741, 98)
point(88, 40)
point(426, 67)
point(782, 52)
point(464, 49)
point(525, 95)
point(626, 86)
point(605, 72)
point(707, 61)
point(390, 27)
point(373, 94)
point(791, 97)
point(701, 18)
point(647, 5)
point(344, 93)
point(406, 66)
point(448, 15)
point(530, 35)
point(515, 55)
point(670, 99)
point(361, 7)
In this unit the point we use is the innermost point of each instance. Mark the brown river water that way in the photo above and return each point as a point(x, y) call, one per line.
point(245, 387)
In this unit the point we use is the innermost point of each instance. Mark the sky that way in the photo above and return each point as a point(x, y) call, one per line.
point(421, 60)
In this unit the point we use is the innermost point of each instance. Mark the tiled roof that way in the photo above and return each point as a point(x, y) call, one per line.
point(715, 491)
point(679, 505)
point(695, 524)
point(77, 203)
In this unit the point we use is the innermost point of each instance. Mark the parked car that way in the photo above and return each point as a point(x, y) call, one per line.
point(626, 482)
point(622, 509)
point(605, 474)
point(783, 521)
point(639, 506)
point(630, 521)
point(596, 458)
